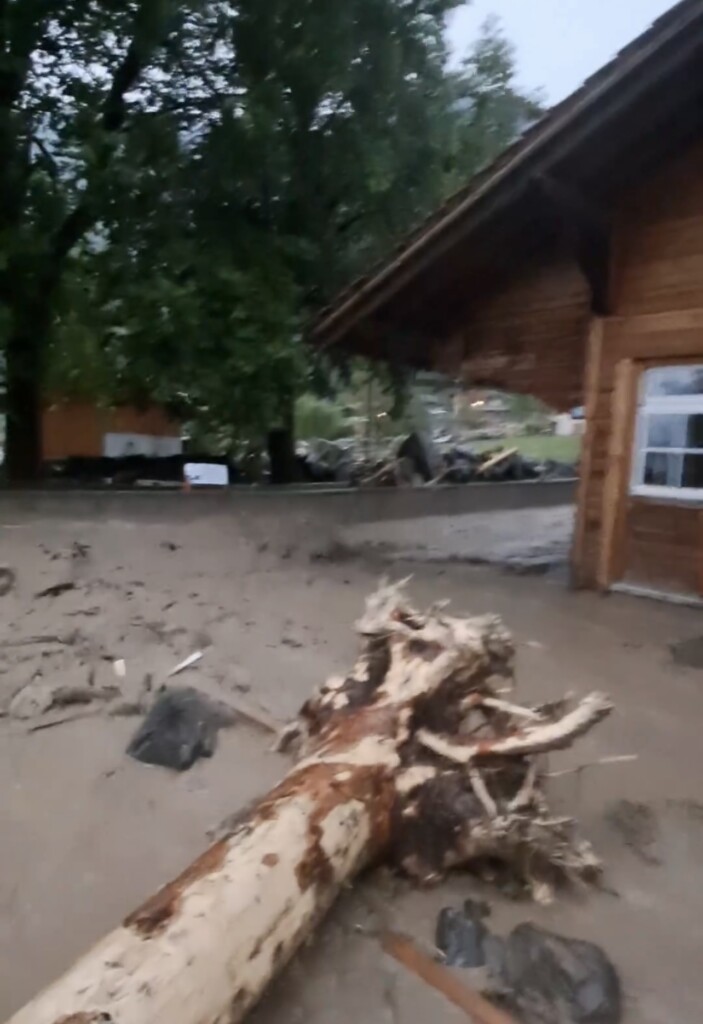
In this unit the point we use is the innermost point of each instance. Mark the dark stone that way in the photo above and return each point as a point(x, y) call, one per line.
point(460, 936)
point(181, 727)
point(422, 453)
point(549, 979)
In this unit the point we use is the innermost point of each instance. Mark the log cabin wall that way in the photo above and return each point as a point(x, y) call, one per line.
point(528, 336)
point(78, 428)
point(657, 300)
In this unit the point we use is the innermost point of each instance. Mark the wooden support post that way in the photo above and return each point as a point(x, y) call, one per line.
point(592, 381)
point(611, 560)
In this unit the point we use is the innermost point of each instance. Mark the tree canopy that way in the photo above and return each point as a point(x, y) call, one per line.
point(185, 183)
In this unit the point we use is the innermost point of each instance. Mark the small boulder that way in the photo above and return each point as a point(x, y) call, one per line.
point(180, 728)
point(550, 979)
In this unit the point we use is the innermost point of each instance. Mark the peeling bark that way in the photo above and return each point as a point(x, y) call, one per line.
point(365, 788)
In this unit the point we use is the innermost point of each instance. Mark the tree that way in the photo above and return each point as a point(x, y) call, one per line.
point(489, 110)
point(67, 75)
point(188, 182)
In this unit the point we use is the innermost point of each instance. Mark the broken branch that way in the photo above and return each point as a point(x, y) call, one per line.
point(538, 740)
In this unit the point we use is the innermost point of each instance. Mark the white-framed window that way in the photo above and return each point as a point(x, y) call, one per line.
point(668, 455)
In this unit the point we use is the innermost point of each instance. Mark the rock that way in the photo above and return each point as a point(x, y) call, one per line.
point(32, 700)
point(423, 454)
point(181, 727)
point(550, 979)
point(460, 936)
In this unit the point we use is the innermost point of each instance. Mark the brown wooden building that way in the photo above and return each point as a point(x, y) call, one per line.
point(572, 269)
point(86, 429)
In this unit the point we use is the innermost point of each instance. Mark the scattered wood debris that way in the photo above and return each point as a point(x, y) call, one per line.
point(367, 787)
point(56, 590)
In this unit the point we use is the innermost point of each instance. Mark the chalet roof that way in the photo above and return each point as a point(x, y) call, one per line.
point(619, 125)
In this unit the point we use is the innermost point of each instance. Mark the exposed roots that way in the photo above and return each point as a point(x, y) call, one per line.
point(425, 697)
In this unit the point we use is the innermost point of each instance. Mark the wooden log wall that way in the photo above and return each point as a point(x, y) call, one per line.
point(657, 297)
point(77, 428)
point(528, 336)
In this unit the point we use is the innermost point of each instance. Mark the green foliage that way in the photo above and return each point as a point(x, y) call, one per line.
point(319, 417)
point(187, 182)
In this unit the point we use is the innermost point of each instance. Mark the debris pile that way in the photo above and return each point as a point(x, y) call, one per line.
point(416, 757)
point(416, 460)
point(406, 461)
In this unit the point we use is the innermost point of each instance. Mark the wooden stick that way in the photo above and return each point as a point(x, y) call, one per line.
point(481, 790)
point(620, 759)
point(511, 709)
point(497, 459)
point(478, 1008)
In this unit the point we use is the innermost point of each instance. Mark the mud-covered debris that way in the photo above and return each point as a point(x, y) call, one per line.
point(688, 653)
point(33, 699)
point(57, 589)
point(7, 580)
point(335, 553)
point(181, 727)
point(460, 935)
point(550, 979)
point(40, 696)
point(638, 827)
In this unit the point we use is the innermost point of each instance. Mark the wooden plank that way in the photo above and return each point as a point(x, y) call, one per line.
point(654, 323)
point(474, 1005)
point(611, 555)
point(594, 351)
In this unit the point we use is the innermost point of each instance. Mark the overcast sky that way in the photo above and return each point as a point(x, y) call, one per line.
point(559, 43)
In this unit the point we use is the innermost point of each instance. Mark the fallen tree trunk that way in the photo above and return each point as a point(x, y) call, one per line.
point(204, 948)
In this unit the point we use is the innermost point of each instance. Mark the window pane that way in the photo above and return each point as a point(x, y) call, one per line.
point(663, 470)
point(667, 431)
point(693, 471)
point(674, 380)
point(678, 430)
point(694, 437)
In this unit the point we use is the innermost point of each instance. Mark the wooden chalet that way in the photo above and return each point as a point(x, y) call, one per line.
point(572, 269)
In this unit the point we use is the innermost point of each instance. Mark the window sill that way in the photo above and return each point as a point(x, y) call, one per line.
point(667, 496)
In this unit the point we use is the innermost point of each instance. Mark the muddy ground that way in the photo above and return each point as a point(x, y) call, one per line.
point(86, 833)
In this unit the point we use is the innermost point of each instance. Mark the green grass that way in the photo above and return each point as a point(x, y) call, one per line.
point(561, 449)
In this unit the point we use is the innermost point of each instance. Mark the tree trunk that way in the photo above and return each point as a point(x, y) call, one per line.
point(204, 948)
point(23, 441)
point(281, 450)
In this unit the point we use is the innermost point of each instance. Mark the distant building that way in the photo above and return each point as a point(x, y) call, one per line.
point(84, 428)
